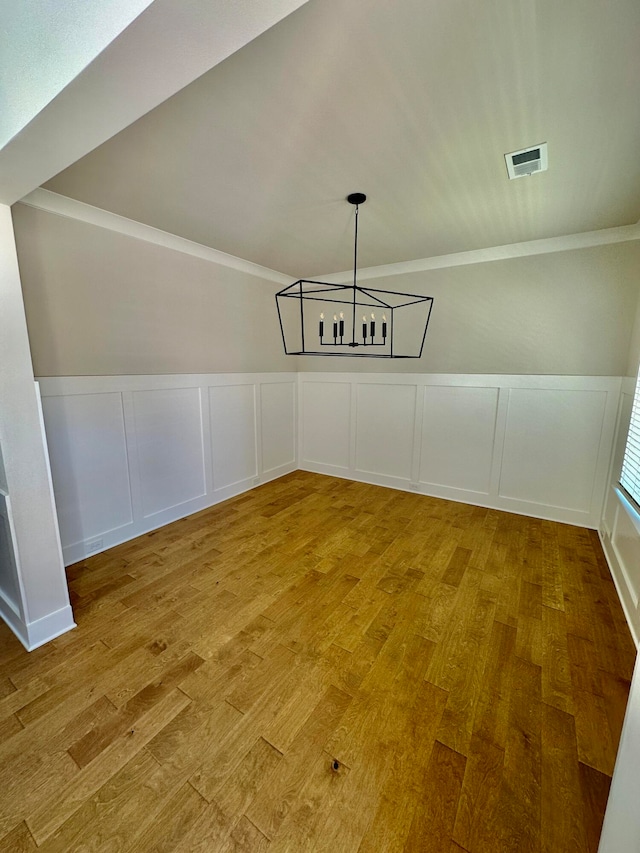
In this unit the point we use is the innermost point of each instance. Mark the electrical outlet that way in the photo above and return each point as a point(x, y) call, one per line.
point(96, 545)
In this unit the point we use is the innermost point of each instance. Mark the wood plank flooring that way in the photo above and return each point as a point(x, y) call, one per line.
point(321, 665)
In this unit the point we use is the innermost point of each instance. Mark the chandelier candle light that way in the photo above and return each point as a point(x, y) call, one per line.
point(401, 336)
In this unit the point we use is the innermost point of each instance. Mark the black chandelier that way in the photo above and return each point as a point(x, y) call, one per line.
point(319, 318)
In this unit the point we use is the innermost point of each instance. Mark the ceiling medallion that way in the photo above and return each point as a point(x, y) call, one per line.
point(319, 318)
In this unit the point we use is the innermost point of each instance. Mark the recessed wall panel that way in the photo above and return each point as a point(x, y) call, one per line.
point(326, 418)
point(626, 542)
point(458, 430)
point(8, 568)
point(385, 428)
point(551, 446)
point(170, 449)
point(89, 468)
point(233, 434)
point(278, 425)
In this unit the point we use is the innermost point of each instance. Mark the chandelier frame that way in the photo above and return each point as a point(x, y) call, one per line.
point(371, 339)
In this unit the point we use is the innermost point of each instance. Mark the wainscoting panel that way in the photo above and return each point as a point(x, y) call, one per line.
point(626, 543)
point(620, 524)
point(131, 453)
point(89, 465)
point(9, 586)
point(535, 445)
point(385, 421)
point(458, 431)
point(551, 431)
point(233, 434)
point(621, 543)
point(326, 423)
point(169, 440)
point(278, 425)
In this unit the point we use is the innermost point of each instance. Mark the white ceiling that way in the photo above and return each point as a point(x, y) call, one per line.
point(413, 102)
point(43, 46)
point(169, 45)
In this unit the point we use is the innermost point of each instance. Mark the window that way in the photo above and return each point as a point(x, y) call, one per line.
point(630, 475)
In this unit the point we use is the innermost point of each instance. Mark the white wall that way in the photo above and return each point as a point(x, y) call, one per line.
point(537, 445)
point(131, 453)
point(33, 592)
point(620, 524)
point(621, 827)
point(620, 535)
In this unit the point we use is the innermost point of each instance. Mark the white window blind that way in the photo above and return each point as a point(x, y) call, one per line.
point(630, 476)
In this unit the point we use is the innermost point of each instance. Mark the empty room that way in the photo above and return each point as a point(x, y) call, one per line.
point(319, 427)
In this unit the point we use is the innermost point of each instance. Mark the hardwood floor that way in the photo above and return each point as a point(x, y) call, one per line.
point(320, 665)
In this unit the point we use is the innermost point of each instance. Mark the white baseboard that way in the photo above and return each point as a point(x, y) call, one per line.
point(130, 454)
point(622, 587)
point(35, 634)
point(619, 534)
point(80, 551)
point(49, 627)
point(531, 510)
point(531, 445)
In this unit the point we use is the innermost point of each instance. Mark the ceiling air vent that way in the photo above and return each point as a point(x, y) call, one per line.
point(527, 161)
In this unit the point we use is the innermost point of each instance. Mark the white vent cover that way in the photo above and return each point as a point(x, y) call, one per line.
point(527, 161)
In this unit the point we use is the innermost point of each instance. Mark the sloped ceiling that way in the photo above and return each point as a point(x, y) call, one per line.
point(413, 102)
point(43, 46)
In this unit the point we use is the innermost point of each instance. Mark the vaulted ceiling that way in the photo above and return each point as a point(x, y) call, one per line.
point(413, 102)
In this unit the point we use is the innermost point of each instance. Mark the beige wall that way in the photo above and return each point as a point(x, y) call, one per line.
point(101, 303)
point(563, 313)
point(633, 359)
point(98, 302)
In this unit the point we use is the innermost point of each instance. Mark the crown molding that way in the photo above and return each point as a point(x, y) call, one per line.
point(584, 240)
point(72, 209)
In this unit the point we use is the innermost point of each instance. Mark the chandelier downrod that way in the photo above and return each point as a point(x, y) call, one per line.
point(357, 199)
